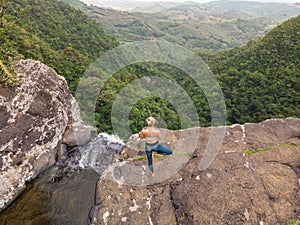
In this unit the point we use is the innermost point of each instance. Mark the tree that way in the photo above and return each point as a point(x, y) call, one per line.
point(2, 11)
point(4, 7)
point(5, 75)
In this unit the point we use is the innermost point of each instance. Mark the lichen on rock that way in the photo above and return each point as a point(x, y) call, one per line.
point(34, 116)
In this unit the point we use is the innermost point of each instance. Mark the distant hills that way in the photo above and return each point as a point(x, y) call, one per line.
point(253, 8)
point(158, 6)
point(202, 27)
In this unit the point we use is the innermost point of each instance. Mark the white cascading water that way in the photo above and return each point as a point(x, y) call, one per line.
point(100, 152)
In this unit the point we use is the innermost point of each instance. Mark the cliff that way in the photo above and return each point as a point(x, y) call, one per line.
point(34, 116)
point(254, 179)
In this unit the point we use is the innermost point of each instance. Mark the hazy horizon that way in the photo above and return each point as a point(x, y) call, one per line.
point(128, 5)
point(108, 2)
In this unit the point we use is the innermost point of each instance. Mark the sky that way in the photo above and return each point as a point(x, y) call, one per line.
point(109, 1)
point(287, 1)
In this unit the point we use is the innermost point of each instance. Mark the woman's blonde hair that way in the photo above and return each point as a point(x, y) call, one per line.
point(151, 119)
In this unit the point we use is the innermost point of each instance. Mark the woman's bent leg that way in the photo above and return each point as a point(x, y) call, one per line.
point(164, 150)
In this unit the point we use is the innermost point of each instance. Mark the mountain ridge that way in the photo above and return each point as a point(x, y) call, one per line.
point(244, 79)
point(208, 26)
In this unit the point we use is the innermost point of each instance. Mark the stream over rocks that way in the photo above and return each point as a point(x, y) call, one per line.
point(65, 193)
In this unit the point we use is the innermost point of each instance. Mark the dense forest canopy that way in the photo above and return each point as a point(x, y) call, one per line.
point(262, 79)
point(259, 80)
point(163, 110)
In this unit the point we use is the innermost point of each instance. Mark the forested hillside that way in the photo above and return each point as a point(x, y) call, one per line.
point(53, 32)
point(262, 79)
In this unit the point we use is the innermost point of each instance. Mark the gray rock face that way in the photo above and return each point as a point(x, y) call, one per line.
point(78, 135)
point(254, 179)
point(34, 116)
point(240, 190)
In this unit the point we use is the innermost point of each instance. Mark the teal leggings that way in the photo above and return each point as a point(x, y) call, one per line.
point(158, 148)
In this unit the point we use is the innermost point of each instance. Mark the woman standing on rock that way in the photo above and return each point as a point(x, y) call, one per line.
point(151, 135)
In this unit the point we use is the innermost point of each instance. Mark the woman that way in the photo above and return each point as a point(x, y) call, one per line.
point(151, 135)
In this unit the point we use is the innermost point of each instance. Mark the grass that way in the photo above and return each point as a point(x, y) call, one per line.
point(26, 158)
point(253, 151)
point(293, 222)
point(249, 152)
point(140, 158)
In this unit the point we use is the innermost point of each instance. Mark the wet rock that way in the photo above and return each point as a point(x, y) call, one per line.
point(78, 135)
point(66, 165)
point(100, 152)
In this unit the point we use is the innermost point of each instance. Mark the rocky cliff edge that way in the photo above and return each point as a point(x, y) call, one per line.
point(254, 179)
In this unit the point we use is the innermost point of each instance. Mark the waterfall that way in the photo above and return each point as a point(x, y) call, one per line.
point(100, 152)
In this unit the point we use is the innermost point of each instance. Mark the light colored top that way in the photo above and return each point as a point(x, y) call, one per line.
point(151, 139)
point(150, 135)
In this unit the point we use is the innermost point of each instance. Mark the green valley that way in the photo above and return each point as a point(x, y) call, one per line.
point(259, 80)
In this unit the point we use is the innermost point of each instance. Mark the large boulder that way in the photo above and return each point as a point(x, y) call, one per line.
point(240, 189)
point(254, 179)
point(34, 116)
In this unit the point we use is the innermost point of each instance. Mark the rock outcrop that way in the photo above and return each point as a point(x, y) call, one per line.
point(254, 179)
point(34, 116)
